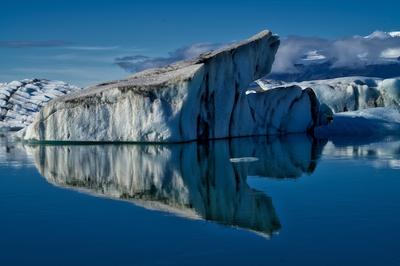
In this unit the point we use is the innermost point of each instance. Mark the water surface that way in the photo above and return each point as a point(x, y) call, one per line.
point(292, 200)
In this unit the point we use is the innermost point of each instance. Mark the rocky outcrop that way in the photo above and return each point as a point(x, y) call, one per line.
point(21, 100)
point(203, 98)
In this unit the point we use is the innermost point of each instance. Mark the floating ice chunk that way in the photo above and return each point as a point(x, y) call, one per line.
point(244, 159)
point(378, 121)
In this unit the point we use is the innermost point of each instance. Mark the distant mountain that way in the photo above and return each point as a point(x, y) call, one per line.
point(308, 58)
point(326, 70)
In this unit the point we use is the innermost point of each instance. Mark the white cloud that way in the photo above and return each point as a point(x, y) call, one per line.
point(134, 63)
point(350, 52)
point(391, 53)
point(92, 48)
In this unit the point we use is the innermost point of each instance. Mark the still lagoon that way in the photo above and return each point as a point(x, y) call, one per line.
point(290, 200)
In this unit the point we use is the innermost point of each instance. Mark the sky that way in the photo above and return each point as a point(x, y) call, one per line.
point(81, 41)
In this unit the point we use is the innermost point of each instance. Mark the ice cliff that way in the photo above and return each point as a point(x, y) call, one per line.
point(21, 100)
point(203, 98)
point(348, 93)
point(359, 106)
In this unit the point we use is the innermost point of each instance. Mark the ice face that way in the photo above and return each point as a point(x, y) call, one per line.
point(390, 90)
point(359, 106)
point(349, 93)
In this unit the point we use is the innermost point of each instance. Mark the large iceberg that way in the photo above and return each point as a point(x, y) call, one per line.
point(203, 98)
point(21, 100)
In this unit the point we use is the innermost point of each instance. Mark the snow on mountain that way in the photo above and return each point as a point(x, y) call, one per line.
point(21, 100)
point(395, 34)
point(308, 58)
point(383, 35)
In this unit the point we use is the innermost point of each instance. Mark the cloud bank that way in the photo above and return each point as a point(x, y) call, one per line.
point(352, 52)
point(301, 58)
point(54, 43)
point(137, 63)
point(28, 44)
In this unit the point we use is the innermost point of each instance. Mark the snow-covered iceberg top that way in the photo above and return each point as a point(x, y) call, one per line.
point(202, 98)
point(21, 100)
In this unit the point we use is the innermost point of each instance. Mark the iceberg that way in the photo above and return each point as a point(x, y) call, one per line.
point(348, 93)
point(357, 106)
point(372, 122)
point(203, 98)
point(378, 152)
point(21, 100)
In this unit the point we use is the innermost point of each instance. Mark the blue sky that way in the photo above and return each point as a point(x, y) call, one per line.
point(78, 41)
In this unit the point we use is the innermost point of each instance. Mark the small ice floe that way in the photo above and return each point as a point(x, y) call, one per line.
point(244, 160)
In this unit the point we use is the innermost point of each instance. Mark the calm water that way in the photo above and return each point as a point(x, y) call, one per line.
point(249, 201)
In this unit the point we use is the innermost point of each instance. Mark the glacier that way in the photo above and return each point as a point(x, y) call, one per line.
point(204, 98)
point(21, 100)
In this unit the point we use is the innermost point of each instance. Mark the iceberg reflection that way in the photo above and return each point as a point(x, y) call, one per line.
point(194, 180)
point(379, 154)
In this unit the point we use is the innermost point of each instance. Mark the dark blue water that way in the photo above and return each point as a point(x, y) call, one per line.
point(251, 201)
